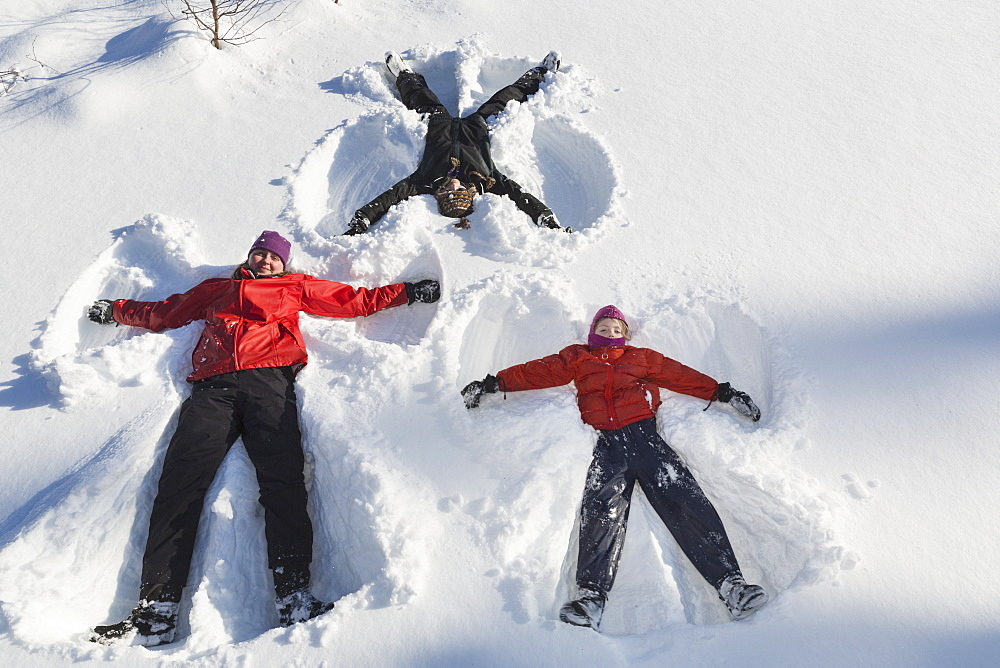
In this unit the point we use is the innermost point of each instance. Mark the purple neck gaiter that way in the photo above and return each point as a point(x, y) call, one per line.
point(597, 341)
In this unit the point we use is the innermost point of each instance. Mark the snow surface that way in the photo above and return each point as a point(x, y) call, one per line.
point(798, 197)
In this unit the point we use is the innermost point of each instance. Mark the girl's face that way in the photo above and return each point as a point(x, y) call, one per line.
point(609, 328)
point(265, 263)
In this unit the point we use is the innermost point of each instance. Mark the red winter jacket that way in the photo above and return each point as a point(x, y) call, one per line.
point(254, 323)
point(615, 386)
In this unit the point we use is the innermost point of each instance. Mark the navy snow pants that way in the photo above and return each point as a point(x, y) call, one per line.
point(258, 405)
point(637, 453)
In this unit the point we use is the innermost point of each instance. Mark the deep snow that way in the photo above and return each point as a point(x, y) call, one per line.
point(798, 198)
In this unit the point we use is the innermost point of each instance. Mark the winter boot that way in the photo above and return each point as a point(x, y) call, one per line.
point(552, 61)
point(548, 220)
point(394, 63)
point(294, 601)
point(741, 598)
point(153, 621)
point(586, 609)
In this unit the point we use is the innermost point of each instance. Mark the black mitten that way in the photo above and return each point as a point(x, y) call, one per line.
point(359, 224)
point(102, 312)
point(477, 388)
point(426, 291)
point(741, 401)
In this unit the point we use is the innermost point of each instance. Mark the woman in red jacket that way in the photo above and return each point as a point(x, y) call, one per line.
point(618, 393)
point(243, 377)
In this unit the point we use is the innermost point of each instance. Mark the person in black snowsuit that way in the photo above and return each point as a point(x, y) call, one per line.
point(243, 386)
point(456, 164)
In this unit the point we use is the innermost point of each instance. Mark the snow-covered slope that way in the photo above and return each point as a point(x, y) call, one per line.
point(796, 198)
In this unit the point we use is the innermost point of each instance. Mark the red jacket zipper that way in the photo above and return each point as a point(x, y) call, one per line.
point(236, 329)
point(609, 395)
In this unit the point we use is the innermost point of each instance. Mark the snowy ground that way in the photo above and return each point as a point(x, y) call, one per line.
point(795, 197)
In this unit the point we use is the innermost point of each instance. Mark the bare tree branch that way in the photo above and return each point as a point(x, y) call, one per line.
point(8, 79)
point(35, 59)
point(230, 21)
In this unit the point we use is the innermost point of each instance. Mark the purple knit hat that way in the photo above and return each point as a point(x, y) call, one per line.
point(596, 340)
point(274, 242)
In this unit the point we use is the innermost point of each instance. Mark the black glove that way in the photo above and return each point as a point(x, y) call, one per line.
point(359, 224)
point(477, 388)
point(549, 220)
point(741, 401)
point(427, 291)
point(102, 312)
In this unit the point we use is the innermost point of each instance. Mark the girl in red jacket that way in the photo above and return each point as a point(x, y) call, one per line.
point(243, 377)
point(618, 393)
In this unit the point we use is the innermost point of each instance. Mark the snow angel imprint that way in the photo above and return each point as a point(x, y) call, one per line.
point(456, 164)
point(245, 365)
point(618, 394)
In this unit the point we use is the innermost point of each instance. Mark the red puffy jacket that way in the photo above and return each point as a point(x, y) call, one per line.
point(254, 323)
point(615, 386)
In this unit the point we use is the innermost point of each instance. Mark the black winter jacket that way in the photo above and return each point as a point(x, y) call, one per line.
point(468, 141)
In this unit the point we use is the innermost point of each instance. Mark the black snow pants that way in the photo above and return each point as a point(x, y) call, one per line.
point(258, 405)
point(634, 453)
point(418, 97)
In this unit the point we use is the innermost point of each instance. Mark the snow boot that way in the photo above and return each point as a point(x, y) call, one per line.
point(741, 598)
point(549, 221)
point(586, 609)
point(293, 600)
point(153, 621)
point(552, 61)
point(394, 63)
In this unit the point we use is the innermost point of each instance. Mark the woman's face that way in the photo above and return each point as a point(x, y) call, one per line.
point(609, 328)
point(265, 263)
